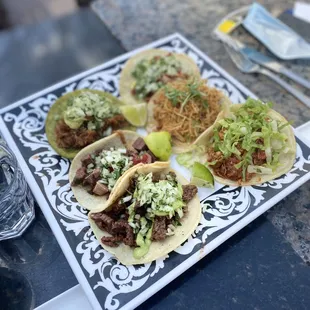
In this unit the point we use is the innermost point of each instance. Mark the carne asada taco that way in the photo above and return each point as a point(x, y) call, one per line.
point(249, 145)
point(151, 211)
point(148, 71)
point(96, 168)
point(80, 118)
point(185, 108)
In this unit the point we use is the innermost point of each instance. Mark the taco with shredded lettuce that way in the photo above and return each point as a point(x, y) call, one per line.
point(80, 118)
point(148, 71)
point(248, 145)
point(151, 211)
point(95, 169)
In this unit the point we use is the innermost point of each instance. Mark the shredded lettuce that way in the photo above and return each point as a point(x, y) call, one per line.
point(248, 129)
point(188, 159)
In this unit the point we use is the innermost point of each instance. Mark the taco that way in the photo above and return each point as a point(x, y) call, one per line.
point(95, 169)
point(249, 145)
point(148, 71)
point(80, 118)
point(185, 108)
point(151, 211)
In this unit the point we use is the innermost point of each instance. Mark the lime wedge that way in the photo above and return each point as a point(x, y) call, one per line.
point(159, 144)
point(201, 176)
point(135, 114)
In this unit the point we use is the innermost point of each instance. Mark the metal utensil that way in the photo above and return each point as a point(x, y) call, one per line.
point(273, 65)
point(263, 60)
point(244, 64)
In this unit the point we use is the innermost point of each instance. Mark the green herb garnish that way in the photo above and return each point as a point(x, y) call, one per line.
point(182, 97)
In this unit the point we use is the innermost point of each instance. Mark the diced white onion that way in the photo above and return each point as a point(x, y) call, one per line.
point(126, 199)
point(243, 130)
point(268, 154)
point(274, 126)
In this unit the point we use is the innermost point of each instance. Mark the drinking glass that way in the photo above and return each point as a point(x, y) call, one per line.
point(16, 201)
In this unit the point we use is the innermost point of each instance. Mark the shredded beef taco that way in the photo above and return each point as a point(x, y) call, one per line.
point(185, 108)
point(148, 71)
point(95, 169)
point(80, 118)
point(151, 211)
point(248, 145)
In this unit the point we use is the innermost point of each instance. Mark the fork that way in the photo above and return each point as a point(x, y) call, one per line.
point(245, 65)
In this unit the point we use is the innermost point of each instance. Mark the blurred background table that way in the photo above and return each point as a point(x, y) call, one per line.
point(264, 266)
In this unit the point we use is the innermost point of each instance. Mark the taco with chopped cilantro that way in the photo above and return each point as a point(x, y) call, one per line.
point(80, 118)
point(248, 145)
point(147, 71)
point(96, 169)
point(185, 108)
point(151, 211)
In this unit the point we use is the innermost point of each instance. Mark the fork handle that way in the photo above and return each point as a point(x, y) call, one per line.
point(295, 92)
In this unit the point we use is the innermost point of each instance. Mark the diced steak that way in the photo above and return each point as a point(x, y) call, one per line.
point(122, 227)
point(132, 152)
point(79, 177)
point(130, 237)
point(100, 225)
point(154, 158)
point(118, 208)
point(86, 160)
point(140, 145)
point(100, 189)
point(119, 227)
point(103, 221)
point(92, 178)
point(146, 158)
point(189, 191)
point(112, 241)
point(96, 216)
point(155, 177)
point(159, 228)
point(107, 222)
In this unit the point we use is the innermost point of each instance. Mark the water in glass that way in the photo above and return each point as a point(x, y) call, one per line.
point(16, 201)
